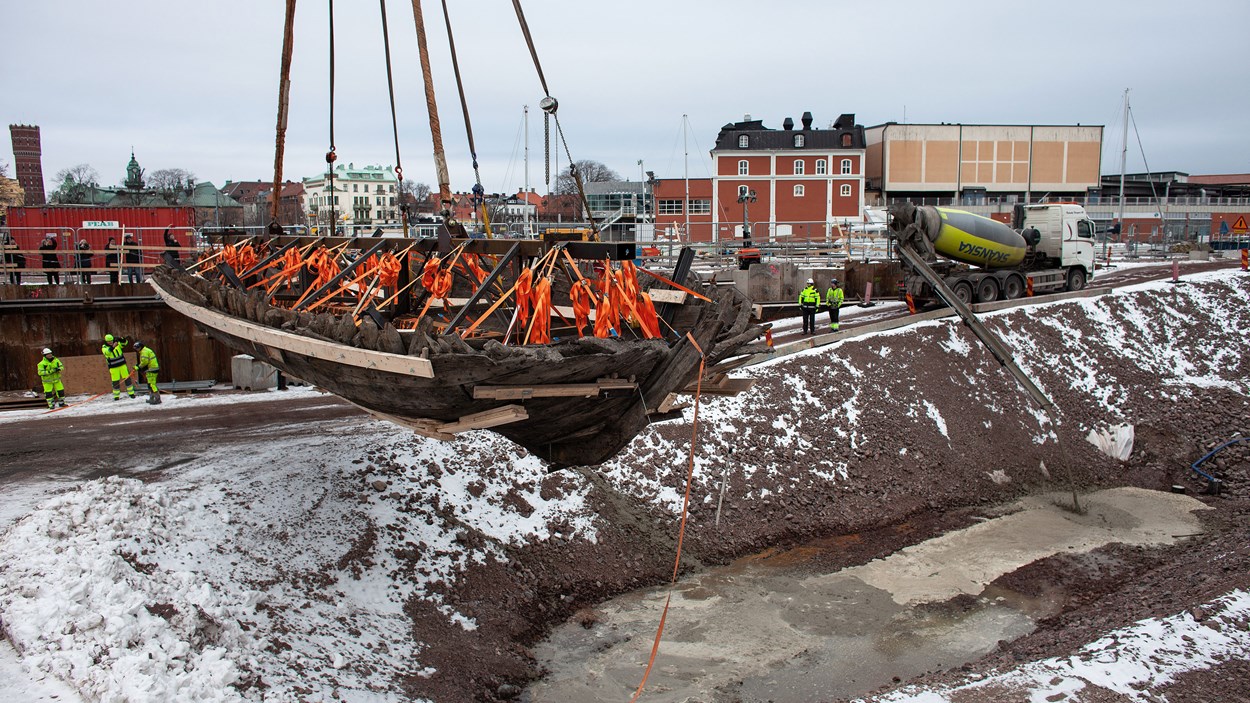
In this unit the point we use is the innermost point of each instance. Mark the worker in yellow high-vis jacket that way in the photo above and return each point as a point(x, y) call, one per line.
point(114, 351)
point(833, 298)
point(146, 370)
point(50, 369)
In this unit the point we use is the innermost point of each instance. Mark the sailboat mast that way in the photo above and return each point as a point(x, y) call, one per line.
point(526, 111)
point(1123, 161)
point(686, 172)
point(436, 132)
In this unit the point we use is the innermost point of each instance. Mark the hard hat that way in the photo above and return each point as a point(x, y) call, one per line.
point(834, 281)
point(108, 337)
point(810, 281)
point(46, 351)
point(138, 344)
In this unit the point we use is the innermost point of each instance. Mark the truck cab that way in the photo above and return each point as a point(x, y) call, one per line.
point(1064, 236)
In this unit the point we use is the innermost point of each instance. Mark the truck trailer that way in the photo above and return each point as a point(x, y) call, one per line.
point(1047, 248)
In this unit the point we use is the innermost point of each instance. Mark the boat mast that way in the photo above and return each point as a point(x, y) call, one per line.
point(686, 172)
point(1123, 161)
point(526, 111)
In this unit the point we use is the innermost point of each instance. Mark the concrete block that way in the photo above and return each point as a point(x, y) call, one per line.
point(252, 374)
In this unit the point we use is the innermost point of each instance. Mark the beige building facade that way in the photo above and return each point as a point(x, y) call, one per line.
point(974, 163)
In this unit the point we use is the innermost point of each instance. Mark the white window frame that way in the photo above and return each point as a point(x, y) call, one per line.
point(846, 167)
point(744, 167)
point(742, 190)
point(822, 167)
point(700, 206)
point(743, 141)
point(799, 141)
point(845, 190)
point(799, 167)
point(799, 191)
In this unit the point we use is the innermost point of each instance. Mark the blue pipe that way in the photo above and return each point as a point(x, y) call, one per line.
point(1212, 453)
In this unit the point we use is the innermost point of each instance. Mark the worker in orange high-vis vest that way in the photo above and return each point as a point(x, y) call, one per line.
point(114, 351)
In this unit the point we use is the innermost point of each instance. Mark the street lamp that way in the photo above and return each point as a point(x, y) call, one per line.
point(746, 197)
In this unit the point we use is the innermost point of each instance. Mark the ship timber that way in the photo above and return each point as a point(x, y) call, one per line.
point(577, 401)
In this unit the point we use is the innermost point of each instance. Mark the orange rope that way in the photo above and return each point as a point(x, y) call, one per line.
point(681, 533)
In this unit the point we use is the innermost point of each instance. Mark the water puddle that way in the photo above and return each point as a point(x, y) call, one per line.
point(769, 629)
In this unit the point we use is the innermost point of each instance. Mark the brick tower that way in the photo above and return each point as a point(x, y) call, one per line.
point(28, 161)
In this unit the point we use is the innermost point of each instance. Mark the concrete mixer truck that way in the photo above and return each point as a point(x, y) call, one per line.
point(1047, 248)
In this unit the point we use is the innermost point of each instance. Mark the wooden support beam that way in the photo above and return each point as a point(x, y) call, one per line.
point(723, 386)
point(487, 418)
point(667, 295)
point(555, 390)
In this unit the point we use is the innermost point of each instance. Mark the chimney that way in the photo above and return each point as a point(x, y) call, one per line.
point(807, 120)
point(746, 117)
point(788, 124)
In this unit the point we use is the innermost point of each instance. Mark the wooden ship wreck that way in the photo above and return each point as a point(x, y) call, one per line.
point(569, 395)
point(565, 347)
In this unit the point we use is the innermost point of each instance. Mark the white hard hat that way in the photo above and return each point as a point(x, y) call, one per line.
point(47, 351)
point(810, 281)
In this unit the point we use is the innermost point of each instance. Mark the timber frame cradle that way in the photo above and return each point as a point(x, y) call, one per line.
point(577, 401)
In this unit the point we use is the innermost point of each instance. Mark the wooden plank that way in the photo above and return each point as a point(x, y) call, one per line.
point(555, 390)
point(297, 344)
point(487, 418)
point(727, 386)
point(667, 295)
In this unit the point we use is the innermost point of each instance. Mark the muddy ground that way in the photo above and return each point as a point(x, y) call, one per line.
point(873, 444)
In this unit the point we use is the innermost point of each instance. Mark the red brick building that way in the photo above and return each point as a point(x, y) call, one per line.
point(28, 162)
point(798, 183)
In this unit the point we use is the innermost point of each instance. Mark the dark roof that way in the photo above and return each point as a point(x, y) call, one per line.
point(246, 191)
point(763, 138)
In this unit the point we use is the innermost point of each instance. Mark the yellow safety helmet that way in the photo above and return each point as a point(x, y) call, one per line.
point(108, 338)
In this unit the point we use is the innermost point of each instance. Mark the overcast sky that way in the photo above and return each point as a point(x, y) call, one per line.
point(194, 85)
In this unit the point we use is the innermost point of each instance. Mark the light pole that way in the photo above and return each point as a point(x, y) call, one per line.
point(746, 197)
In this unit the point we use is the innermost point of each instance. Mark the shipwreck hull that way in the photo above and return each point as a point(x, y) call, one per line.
point(444, 386)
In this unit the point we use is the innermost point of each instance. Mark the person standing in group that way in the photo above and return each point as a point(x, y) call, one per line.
point(111, 259)
point(170, 254)
point(146, 370)
point(809, 300)
point(50, 369)
point(133, 273)
point(12, 261)
point(84, 260)
point(114, 351)
point(51, 265)
point(833, 298)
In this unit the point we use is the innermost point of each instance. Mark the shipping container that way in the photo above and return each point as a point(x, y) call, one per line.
point(96, 225)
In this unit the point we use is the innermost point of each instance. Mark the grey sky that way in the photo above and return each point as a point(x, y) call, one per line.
point(193, 85)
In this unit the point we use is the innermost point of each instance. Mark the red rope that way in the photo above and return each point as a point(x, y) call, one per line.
point(681, 533)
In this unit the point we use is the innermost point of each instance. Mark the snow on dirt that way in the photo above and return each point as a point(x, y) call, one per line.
point(348, 560)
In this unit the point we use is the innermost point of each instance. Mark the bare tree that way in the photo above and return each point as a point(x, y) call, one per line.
point(171, 183)
point(416, 196)
point(590, 171)
point(76, 184)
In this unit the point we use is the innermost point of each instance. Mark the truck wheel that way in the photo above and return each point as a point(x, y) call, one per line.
point(987, 290)
point(963, 291)
point(1076, 279)
point(1013, 288)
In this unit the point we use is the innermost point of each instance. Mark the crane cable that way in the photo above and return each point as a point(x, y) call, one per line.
point(390, 89)
point(331, 156)
point(284, 97)
point(549, 107)
point(479, 192)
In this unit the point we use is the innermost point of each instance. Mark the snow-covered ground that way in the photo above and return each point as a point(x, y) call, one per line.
point(269, 574)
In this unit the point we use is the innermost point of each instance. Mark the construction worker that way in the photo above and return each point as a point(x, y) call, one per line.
point(833, 298)
point(50, 369)
point(146, 370)
point(114, 351)
point(809, 300)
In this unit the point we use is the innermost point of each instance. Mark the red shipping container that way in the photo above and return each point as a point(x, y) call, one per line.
point(96, 224)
